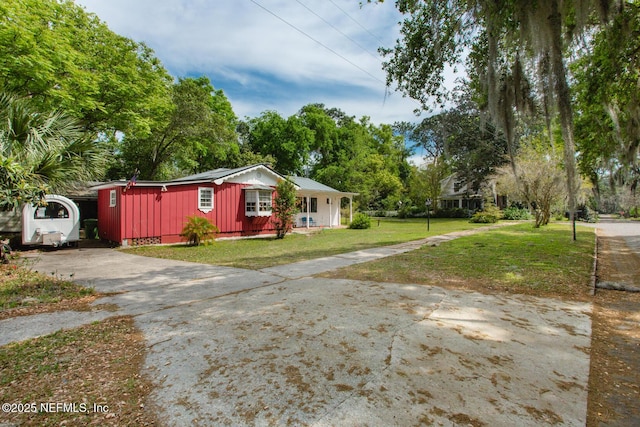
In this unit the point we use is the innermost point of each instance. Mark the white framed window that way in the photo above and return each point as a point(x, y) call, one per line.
point(112, 198)
point(302, 204)
point(264, 198)
point(258, 202)
point(205, 199)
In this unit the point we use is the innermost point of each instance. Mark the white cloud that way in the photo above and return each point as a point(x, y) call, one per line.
point(263, 63)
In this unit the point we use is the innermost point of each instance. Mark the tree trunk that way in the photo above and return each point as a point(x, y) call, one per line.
point(564, 106)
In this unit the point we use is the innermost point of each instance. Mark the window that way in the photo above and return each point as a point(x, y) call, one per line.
point(265, 201)
point(205, 199)
point(53, 210)
point(258, 202)
point(302, 205)
point(449, 204)
point(112, 198)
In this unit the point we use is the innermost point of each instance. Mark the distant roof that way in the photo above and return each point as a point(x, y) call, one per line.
point(308, 184)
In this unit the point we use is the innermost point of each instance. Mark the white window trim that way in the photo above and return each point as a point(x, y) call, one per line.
point(112, 198)
point(253, 197)
point(202, 207)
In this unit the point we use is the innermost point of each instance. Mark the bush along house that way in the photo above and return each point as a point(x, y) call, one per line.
point(238, 201)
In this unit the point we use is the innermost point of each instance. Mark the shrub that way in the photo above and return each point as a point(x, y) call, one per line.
point(198, 229)
point(284, 207)
point(360, 221)
point(514, 213)
point(584, 213)
point(451, 213)
point(489, 215)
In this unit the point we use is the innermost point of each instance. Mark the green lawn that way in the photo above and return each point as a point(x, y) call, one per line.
point(267, 252)
point(516, 259)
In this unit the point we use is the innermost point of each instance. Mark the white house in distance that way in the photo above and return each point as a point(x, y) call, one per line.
point(318, 204)
point(454, 195)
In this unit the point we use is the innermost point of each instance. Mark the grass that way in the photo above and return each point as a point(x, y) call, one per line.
point(267, 252)
point(21, 287)
point(517, 259)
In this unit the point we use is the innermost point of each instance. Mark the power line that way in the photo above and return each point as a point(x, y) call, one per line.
point(317, 41)
point(358, 23)
point(375, 56)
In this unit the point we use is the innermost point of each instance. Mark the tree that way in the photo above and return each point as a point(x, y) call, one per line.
point(284, 207)
point(608, 103)
point(470, 145)
point(429, 135)
point(515, 36)
point(425, 183)
point(352, 155)
point(196, 134)
point(474, 148)
point(335, 149)
point(66, 59)
point(378, 186)
point(325, 134)
point(18, 186)
point(42, 152)
point(538, 182)
point(288, 141)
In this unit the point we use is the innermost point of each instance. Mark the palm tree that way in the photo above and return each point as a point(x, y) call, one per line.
point(42, 152)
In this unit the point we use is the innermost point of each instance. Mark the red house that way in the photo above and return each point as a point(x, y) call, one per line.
point(238, 201)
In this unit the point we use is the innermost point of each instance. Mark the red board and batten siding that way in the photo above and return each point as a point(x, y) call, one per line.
point(149, 213)
point(176, 204)
point(109, 217)
point(141, 213)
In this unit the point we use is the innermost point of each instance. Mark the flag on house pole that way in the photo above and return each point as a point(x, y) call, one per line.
point(132, 181)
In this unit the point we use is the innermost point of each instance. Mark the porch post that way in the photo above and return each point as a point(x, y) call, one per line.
point(330, 213)
point(308, 208)
point(350, 208)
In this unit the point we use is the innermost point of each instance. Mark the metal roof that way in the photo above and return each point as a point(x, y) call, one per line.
point(215, 174)
point(308, 184)
point(221, 174)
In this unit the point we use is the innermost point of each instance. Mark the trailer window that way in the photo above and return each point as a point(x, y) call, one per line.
point(53, 210)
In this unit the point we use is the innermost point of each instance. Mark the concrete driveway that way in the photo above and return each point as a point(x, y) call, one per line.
point(229, 346)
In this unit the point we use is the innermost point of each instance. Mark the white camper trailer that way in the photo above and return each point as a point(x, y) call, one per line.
point(56, 224)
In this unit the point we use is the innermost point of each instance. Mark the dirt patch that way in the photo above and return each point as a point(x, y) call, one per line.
point(614, 379)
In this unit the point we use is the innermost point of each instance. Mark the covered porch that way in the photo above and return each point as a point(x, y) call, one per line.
point(319, 205)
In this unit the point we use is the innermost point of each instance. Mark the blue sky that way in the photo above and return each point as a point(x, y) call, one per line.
point(263, 63)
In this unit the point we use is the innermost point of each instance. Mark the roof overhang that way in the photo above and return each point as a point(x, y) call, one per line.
point(159, 184)
point(258, 187)
point(309, 192)
point(262, 167)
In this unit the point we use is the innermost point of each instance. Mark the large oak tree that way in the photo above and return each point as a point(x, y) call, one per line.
point(514, 36)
